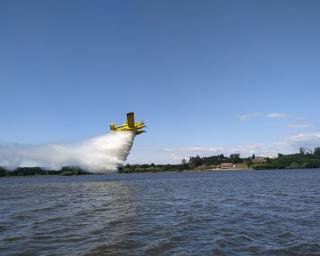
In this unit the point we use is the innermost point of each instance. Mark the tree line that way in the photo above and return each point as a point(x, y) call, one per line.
point(30, 171)
point(300, 160)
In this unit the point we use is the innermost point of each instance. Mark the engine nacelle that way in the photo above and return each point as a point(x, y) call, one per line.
point(112, 126)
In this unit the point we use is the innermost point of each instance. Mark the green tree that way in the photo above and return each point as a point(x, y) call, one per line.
point(195, 161)
point(3, 172)
point(316, 152)
point(235, 158)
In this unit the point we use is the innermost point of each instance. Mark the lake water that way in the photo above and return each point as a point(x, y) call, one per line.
point(273, 212)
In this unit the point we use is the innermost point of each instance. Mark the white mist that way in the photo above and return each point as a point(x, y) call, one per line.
point(99, 154)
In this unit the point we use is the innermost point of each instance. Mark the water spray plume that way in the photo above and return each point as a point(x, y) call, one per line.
point(99, 154)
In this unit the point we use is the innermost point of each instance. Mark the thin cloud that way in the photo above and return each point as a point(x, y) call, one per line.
point(299, 125)
point(246, 117)
point(194, 150)
point(276, 115)
point(272, 115)
point(306, 139)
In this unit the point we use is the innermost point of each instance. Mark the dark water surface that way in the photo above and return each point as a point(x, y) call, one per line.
point(191, 213)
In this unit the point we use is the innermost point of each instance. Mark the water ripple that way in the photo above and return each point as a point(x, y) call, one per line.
point(208, 213)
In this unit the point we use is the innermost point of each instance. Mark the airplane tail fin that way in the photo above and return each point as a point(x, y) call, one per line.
point(130, 119)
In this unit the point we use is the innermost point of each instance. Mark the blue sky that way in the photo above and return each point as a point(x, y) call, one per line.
point(205, 76)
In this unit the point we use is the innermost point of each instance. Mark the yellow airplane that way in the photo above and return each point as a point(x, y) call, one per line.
point(130, 125)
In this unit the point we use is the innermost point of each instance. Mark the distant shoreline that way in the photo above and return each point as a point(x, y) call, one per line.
point(29, 171)
point(301, 160)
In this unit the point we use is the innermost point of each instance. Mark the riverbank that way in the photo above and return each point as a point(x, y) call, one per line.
point(177, 167)
point(301, 160)
point(34, 171)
